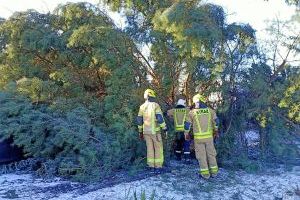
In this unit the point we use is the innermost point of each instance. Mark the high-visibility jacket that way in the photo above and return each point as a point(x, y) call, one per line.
point(150, 118)
point(203, 122)
point(179, 115)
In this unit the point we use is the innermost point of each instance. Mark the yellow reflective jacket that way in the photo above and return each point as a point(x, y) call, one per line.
point(180, 116)
point(152, 117)
point(203, 122)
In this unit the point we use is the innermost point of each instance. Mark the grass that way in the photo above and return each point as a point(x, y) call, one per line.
point(297, 191)
point(143, 196)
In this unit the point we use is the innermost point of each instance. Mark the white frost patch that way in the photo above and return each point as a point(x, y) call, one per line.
point(252, 137)
point(162, 189)
point(14, 177)
point(55, 182)
point(181, 183)
point(7, 180)
point(240, 185)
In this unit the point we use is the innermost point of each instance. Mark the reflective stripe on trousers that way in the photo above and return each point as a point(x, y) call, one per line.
point(206, 155)
point(155, 156)
point(214, 169)
point(204, 171)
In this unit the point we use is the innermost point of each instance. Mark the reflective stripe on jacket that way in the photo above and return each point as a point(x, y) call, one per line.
point(203, 122)
point(152, 118)
point(180, 116)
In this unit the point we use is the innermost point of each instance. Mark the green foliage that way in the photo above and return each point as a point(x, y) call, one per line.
point(195, 29)
point(83, 77)
point(75, 67)
point(292, 2)
point(68, 142)
point(139, 196)
point(291, 99)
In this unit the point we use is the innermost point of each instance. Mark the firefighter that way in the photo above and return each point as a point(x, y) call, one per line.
point(150, 123)
point(203, 121)
point(179, 115)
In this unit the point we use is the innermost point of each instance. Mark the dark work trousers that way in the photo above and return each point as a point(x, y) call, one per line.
point(182, 147)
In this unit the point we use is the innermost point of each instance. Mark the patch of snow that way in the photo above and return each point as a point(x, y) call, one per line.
point(14, 177)
point(252, 137)
point(181, 183)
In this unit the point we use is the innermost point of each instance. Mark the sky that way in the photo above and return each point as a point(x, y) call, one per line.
point(254, 12)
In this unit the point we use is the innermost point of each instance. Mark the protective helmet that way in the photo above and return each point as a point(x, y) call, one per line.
point(149, 93)
point(198, 98)
point(181, 102)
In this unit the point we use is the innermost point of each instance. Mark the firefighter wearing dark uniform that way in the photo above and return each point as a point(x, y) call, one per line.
point(179, 115)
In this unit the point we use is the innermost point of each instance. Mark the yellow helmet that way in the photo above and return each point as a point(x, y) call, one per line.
point(149, 93)
point(198, 98)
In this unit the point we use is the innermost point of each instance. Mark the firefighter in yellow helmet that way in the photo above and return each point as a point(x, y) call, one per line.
point(179, 115)
point(150, 123)
point(203, 121)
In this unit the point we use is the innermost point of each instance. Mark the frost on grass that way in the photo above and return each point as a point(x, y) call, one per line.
point(181, 183)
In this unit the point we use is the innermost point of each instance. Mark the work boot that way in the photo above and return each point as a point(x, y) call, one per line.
point(187, 158)
point(150, 169)
point(214, 175)
point(178, 155)
point(206, 176)
point(161, 170)
point(158, 170)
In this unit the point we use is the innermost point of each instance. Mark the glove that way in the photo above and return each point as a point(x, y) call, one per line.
point(187, 136)
point(216, 134)
point(165, 133)
point(141, 136)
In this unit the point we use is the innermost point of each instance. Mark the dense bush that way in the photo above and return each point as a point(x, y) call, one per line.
point(69, 143)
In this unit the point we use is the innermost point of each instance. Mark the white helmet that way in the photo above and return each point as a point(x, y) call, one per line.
point(181, 102)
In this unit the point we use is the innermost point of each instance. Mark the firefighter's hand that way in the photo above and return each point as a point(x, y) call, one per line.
point(166, 133)
point(186, 136)
point(216, 134)
point(141, 136)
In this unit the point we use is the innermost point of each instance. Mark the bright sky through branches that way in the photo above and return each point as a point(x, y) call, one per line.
point(254, 12)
